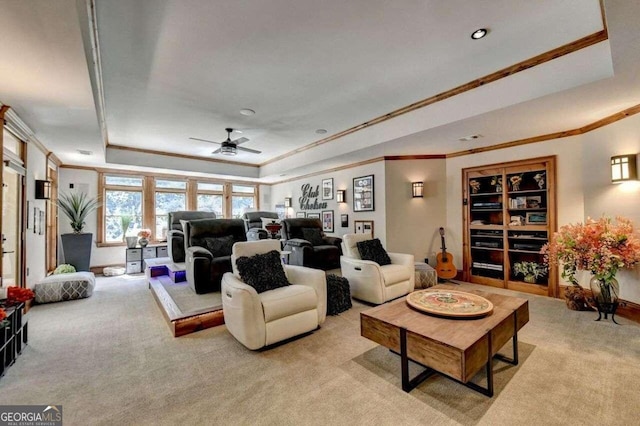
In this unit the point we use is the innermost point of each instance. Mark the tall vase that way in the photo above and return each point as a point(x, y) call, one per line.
point(605, 295)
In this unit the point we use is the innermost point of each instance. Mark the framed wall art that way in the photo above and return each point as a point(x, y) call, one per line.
point(363, 194)
point(538, 218)
point(327, 220)
point(327, 189)
point(313, 215)
point(301, 215)
point(41, 223)
point(363, 227)
point(344, 220)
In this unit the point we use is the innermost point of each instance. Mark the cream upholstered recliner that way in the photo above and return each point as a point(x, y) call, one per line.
point(261, 319)
point(371, 282)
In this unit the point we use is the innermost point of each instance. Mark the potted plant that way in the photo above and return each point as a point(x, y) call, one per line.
point(530, 270)
point(125, 223)
point(76, 247)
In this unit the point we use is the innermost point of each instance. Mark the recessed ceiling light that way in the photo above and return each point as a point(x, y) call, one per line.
point(85, 152)
point(247, 111)
point(469, 138)
point(321, 131)
point(478, 34)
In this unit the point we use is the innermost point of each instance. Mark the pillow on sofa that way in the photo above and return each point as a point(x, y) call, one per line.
point(373, 250)
point(262, 271)
point(313, 235)
point(220, 246)
point(267, 221)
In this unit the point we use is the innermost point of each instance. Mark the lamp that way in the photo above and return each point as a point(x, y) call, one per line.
point(287, 201)
point(228, 149)
point(43, 190)
point(341, 195)
point(417, 189)
point(623, 168)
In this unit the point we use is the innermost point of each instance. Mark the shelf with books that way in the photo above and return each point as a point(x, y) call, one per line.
point(513, 205)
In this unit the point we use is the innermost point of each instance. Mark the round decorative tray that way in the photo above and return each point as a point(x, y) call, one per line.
point(450, 303)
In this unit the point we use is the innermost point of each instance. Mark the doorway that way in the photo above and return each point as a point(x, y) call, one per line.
point(12, 190)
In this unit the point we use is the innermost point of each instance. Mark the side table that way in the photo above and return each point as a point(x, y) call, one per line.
point(425, 275)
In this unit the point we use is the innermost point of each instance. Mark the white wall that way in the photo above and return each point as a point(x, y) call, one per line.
point(601, 197)
point(413, 223)
point(87, 181)
point(342, 179)
point(35, 244)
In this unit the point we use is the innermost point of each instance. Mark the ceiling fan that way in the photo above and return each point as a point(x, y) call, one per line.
point(230, 147)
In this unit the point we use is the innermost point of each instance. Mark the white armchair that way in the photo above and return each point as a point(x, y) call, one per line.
point(260, 319)
point(371, 282)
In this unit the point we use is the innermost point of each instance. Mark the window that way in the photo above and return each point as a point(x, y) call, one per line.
point(122, 197)
point(210, 198)
point(168, 199)
point(148, 200)
point(242, 198)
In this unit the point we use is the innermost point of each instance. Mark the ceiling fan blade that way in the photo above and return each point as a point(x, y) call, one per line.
point(253, 151)
point(217, 151)
point(240, 140)
point(203, 140)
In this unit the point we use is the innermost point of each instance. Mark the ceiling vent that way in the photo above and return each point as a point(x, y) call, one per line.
point(85, 152)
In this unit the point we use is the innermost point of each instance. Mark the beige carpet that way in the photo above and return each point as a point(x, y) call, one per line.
point(110, 360)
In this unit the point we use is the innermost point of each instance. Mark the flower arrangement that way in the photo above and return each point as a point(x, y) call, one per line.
point(144, 233)
point(15, 295)
point(600, 246)
point(530, 270)
point(475, 185)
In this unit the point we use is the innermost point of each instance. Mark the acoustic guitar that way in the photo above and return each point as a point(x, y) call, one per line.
point(445, 267)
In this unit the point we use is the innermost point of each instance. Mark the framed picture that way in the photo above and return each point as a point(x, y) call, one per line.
point(29, 221)
point(41, 223)
point(301, 215)
point(313, 215)
point(344, 220)
point(327, 220)
point(363, 227)
point(36, 217)
point(327, 189)
point(534, 202)
point(538, 218)
point(363, 194)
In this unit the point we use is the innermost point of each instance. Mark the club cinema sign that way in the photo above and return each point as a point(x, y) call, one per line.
point(309, 193)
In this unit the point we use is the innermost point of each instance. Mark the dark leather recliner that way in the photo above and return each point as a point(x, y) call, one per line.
point(209, 243)
point(175, 236)
point(253, 224)
point(309, 246)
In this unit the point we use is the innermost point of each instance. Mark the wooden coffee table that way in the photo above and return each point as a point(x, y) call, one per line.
point(456, 348)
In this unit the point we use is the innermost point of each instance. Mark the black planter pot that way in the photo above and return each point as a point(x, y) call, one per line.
point(76, 250)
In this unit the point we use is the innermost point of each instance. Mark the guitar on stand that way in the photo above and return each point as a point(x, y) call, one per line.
point(445, 267)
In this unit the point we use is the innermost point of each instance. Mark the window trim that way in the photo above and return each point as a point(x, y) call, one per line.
point(149, 192)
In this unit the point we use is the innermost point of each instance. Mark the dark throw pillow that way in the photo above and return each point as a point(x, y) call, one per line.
point(262, 271)
point(220, 246)
point(373, 250)
point(313, 235)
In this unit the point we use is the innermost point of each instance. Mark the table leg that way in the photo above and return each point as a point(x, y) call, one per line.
point(514, 360)
point(407, 383)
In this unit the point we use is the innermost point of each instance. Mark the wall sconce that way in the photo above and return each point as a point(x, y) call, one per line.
point(623, 168)
point(341, 195)
point(43, 190)
point(417, 189)
point(287, 202)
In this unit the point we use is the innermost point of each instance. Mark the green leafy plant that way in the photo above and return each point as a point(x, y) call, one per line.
point(533, 269)
point(65, 268)
point(125, 221)
point(77, 206)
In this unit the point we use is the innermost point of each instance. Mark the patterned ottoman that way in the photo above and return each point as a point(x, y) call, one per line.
point(338, 294)
point(55, 288)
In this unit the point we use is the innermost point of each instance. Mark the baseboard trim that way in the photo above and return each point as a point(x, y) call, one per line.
point(626, 309)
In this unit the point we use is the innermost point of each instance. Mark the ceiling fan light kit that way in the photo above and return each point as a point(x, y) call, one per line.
point(229, 147)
